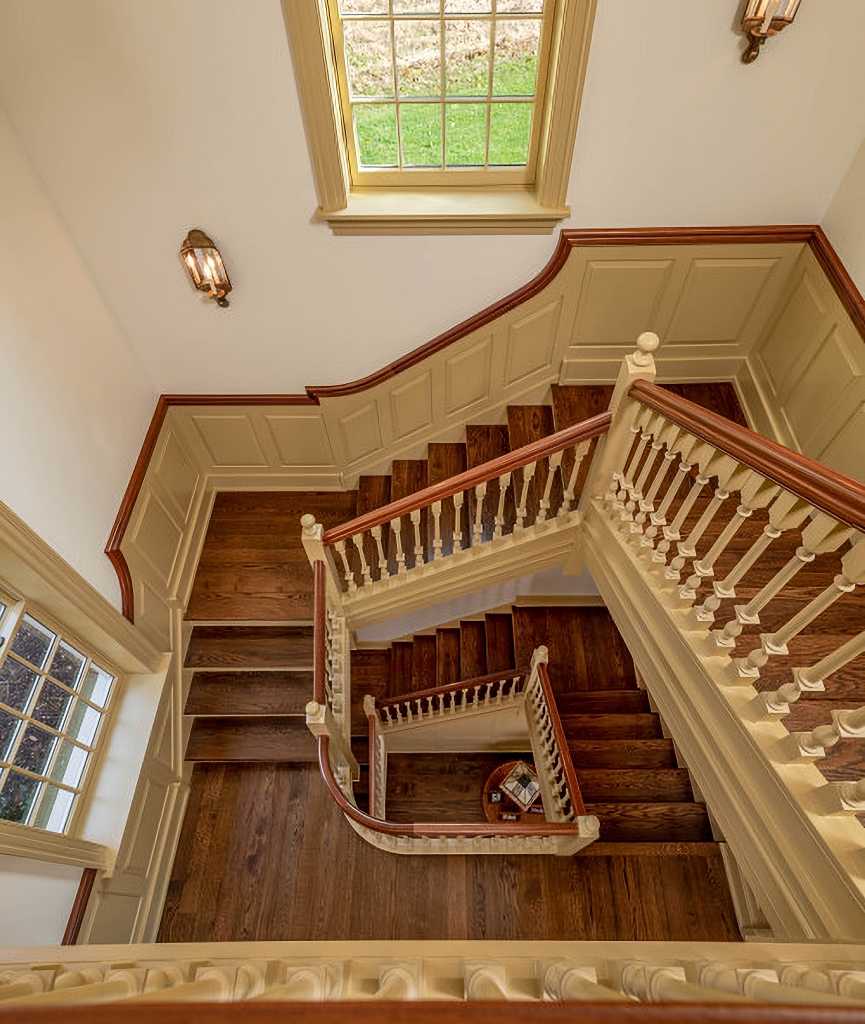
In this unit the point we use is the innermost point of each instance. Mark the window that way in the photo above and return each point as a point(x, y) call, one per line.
point(437, 92)
point(53, 700)
point(440, 115)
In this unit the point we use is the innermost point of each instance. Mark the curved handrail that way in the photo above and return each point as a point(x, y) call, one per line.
point(562, 741)
point(839, 495)
point(431, 829)
point(492, 470)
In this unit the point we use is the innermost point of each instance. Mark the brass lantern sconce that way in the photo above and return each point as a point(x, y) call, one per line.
point(205, 266)
point(762, 19)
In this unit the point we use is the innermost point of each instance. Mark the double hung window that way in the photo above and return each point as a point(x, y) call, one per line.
point(53, 702)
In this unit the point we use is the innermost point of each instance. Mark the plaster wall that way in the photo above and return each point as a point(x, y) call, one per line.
point(844, 222)
point(75, 401)
point(37, 899)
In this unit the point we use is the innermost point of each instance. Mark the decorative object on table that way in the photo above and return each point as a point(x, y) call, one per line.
point(500, 805)
point(522, 785)
point(762, 19)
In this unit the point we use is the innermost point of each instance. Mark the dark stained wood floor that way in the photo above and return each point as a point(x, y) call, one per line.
point(264, 854)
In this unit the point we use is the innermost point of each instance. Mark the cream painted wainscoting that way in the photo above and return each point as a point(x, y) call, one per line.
point(710, 303)
point(804, 379)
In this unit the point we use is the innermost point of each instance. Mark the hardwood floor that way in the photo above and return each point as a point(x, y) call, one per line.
point(264, 854)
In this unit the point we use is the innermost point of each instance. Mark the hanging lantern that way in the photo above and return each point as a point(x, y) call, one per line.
point(205, 266)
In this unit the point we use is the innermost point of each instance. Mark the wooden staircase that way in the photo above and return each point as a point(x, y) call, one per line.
point(627, 770)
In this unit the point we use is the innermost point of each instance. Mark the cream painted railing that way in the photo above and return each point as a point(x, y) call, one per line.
point(737, 975)
point(675, 486)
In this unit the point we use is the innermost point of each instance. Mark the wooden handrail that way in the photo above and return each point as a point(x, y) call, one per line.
point(432, 830)
point(319, 632)
point(562, 742)
point(79, 907)
point(839, 495)
point(492, 470)
point(464, 684)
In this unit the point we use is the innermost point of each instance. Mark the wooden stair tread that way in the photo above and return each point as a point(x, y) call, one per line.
point(640, 849)
point(372, 493)
point(261, 738)
point(610, 702)
point(644, 725)
point(400, 667)
point(485, 442)
point(444, 460)
point(644, 822)
point(617, 753)
point(423, 663)
point(644, 785)
point(528, 423)
point(447, 656)
point(250, 647)
point(573, 403)
point(407, 477)
point(500, 642)
point(249, 693)
point(473, 649)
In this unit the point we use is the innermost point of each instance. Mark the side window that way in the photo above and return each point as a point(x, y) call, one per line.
point(53, 701)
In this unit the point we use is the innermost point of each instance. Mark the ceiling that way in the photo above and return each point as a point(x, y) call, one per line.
point(143, 118)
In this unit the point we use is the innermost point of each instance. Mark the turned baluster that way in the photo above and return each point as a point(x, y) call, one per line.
point(349, 575)
point(637, 498)
point(571, 486)
point(756, 492)
point(665, 435)
point(478, 529)
point(357, 540)
point(777, 702)
point(382, 558)
point(786, 512)
point(553, 464)
point(396, 526)
point(617, 495)
point(701, 455)
point(563, 981)
point(821, 535)
point(418, 544)
point(808, 746)
point(730, 474)
point(852, 575)
point(504, 483)
point(843, 798)
point(528, 473)
point(680, 450)
point(459, 500)
point(437, 530)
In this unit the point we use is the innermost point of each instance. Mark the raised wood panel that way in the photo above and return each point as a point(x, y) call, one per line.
point(301, 439)
point(619, 300)
point(156, 536)
point(832, 370)
point(360, 431)
point(139, 853)
point(530, 343)
point(177, 475)
point(846, 451)
point(467, 376)
point(411, 405)
point(718, 298)
point(230, 440)
point(796, 333)
point(153, 614)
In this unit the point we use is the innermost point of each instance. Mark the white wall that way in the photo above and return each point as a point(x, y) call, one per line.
point(844, 222)
point(37, 898)
point(75, 403)
point(674, 130)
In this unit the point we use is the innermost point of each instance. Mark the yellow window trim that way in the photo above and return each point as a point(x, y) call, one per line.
point(487, 207)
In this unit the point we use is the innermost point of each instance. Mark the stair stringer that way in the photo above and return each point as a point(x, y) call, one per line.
point(806, 885)
point(507, 558)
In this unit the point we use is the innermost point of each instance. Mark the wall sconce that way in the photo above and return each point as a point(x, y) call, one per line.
point(764, 18)
point(205, 266)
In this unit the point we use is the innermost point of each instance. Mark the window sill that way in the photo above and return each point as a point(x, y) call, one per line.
point(443, 212)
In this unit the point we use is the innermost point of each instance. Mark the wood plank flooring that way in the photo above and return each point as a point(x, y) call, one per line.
point(264, 854)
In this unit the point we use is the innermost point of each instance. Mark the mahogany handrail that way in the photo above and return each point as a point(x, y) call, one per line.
point(562, 742)
point(835, 493)
point(585, 431)
point(464, 684)
point(432, 829)
point(319, 631)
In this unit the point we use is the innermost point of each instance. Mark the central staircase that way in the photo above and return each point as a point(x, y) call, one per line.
point(627, 769)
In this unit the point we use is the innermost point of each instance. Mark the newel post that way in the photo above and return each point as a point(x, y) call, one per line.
point(614, 447)
point(311, 536)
